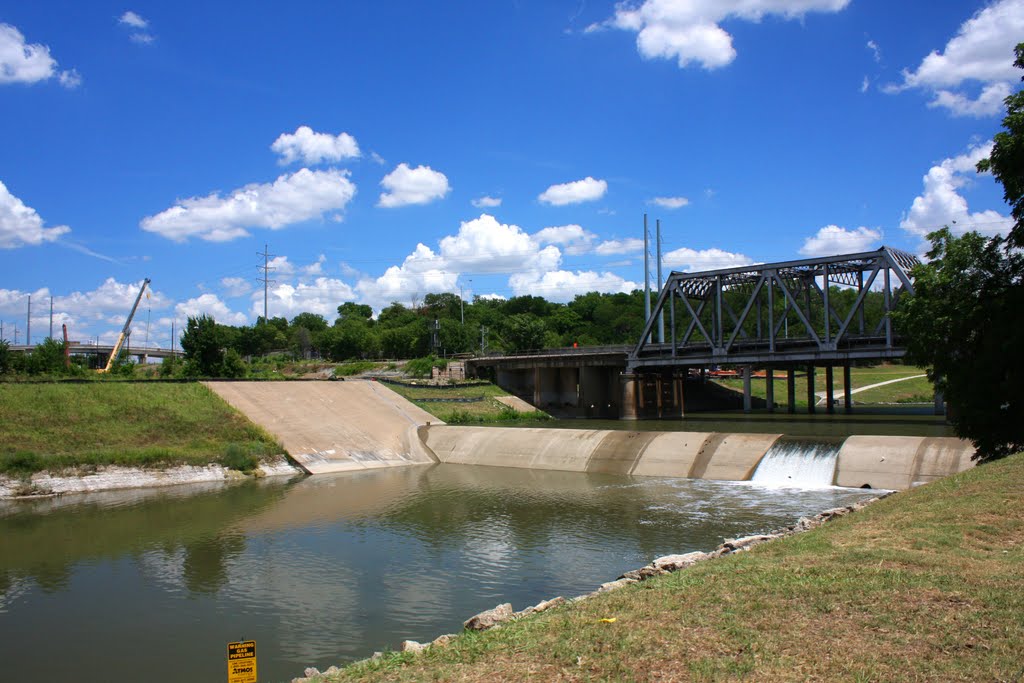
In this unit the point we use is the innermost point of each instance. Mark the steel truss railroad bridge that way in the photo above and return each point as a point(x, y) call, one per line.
point(779, 316)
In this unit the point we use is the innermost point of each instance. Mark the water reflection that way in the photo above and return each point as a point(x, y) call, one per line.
point(330, 568)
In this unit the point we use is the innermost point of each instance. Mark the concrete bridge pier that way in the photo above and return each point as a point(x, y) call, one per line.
point(769, 388)
point(629, 383)
point(652, 395)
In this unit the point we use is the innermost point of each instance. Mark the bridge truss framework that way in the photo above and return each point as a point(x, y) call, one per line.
point(729, 317)
point(710, 331)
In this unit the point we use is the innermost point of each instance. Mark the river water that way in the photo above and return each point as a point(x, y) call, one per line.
point(151, 585)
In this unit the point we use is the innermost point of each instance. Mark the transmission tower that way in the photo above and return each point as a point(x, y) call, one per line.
point(266, 278)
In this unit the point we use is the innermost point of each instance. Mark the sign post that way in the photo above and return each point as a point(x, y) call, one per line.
point(242, 662)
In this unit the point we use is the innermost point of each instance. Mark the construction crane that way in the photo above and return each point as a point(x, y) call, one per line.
point(124, 332)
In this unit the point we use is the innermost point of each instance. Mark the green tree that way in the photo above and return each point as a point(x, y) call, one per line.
point(354, 311)
point(1006, 161)
point(203, 345)
point(314, 322)
point(523, 332)
point(964, 324)
point(6, 357)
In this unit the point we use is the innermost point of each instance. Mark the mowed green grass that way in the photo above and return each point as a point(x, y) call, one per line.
point(485, 410)
point(909, 390)
point(54, 426)
point(926, 585)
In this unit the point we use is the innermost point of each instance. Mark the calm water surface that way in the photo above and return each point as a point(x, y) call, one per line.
point(151, 585)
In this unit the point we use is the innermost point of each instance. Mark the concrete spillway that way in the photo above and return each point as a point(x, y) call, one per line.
point(885, 462)
point(334, 426)
point(339, 426)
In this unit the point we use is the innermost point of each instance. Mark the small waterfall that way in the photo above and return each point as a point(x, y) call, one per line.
point(798, 463)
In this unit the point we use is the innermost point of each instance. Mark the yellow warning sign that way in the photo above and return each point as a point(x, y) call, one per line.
point(242, 662)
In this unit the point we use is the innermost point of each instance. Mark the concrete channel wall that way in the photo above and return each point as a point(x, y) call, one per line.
point(885, 462)
point(334, 426)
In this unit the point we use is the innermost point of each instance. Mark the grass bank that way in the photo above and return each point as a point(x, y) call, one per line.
point(472, 403)
point(927, 585)
point(60, 426)
point(917, 390)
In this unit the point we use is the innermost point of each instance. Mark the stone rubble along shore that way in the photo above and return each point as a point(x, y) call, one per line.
point(494, 618)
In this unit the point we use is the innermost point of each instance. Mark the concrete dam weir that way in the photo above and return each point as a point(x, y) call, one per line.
point(355, 425)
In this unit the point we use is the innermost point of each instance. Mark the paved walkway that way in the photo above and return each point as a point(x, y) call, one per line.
point(334, 426)
point(823, 395)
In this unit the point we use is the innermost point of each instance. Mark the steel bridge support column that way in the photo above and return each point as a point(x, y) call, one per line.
point(746, 388)
point(847, 390)
point(790, 390)
point(629, 384)
point(769, 388)
point(830, 395)
point(811, 398)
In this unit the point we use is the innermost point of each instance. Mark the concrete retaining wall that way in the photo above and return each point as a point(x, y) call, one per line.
point(886, 462)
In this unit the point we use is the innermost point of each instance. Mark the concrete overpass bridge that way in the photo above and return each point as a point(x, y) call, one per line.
point(103, 351)
point(777, 316)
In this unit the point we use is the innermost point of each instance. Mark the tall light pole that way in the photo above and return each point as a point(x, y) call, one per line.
point(647, 277)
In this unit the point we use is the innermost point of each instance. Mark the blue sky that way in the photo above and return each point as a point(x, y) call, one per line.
point(387, 150)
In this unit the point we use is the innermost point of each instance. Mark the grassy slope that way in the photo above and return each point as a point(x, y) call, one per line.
point(927, 585)
point(61, 425)
point(914, 389)
point(487, 410)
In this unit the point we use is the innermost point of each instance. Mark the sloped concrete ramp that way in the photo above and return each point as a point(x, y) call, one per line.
point(334, 426)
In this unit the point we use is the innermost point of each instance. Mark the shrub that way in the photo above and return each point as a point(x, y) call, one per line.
point(238, 458)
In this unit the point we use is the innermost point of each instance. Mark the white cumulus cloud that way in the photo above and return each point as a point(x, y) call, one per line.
point(704, 259)
point(421, 273)
point(573, 239)
point(586, 190)
point(620, 247)
point(236, 286)
point(486, 202)
point(22, 62)
point(132, 19)
point(941, 204)
point(138, 26)
point(211, 305)
point(670, 202)
point(420, 185)
point(832, 240)
point(311, 147)
point(978, 59)
point(564, 285)
point(20, 225)
point(482, 245)
point(322, 296)
point(290, 199)
point(690, 31)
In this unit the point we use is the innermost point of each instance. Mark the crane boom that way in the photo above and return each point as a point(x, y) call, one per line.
point(124, 331)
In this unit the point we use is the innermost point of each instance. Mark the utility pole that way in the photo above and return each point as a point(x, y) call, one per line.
point(661, 314)
point(28, 323)
point(483, 340)
point(51, 317)
point(172, 339)
point(462, 311)
point(265, 279)
point(647, 276)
